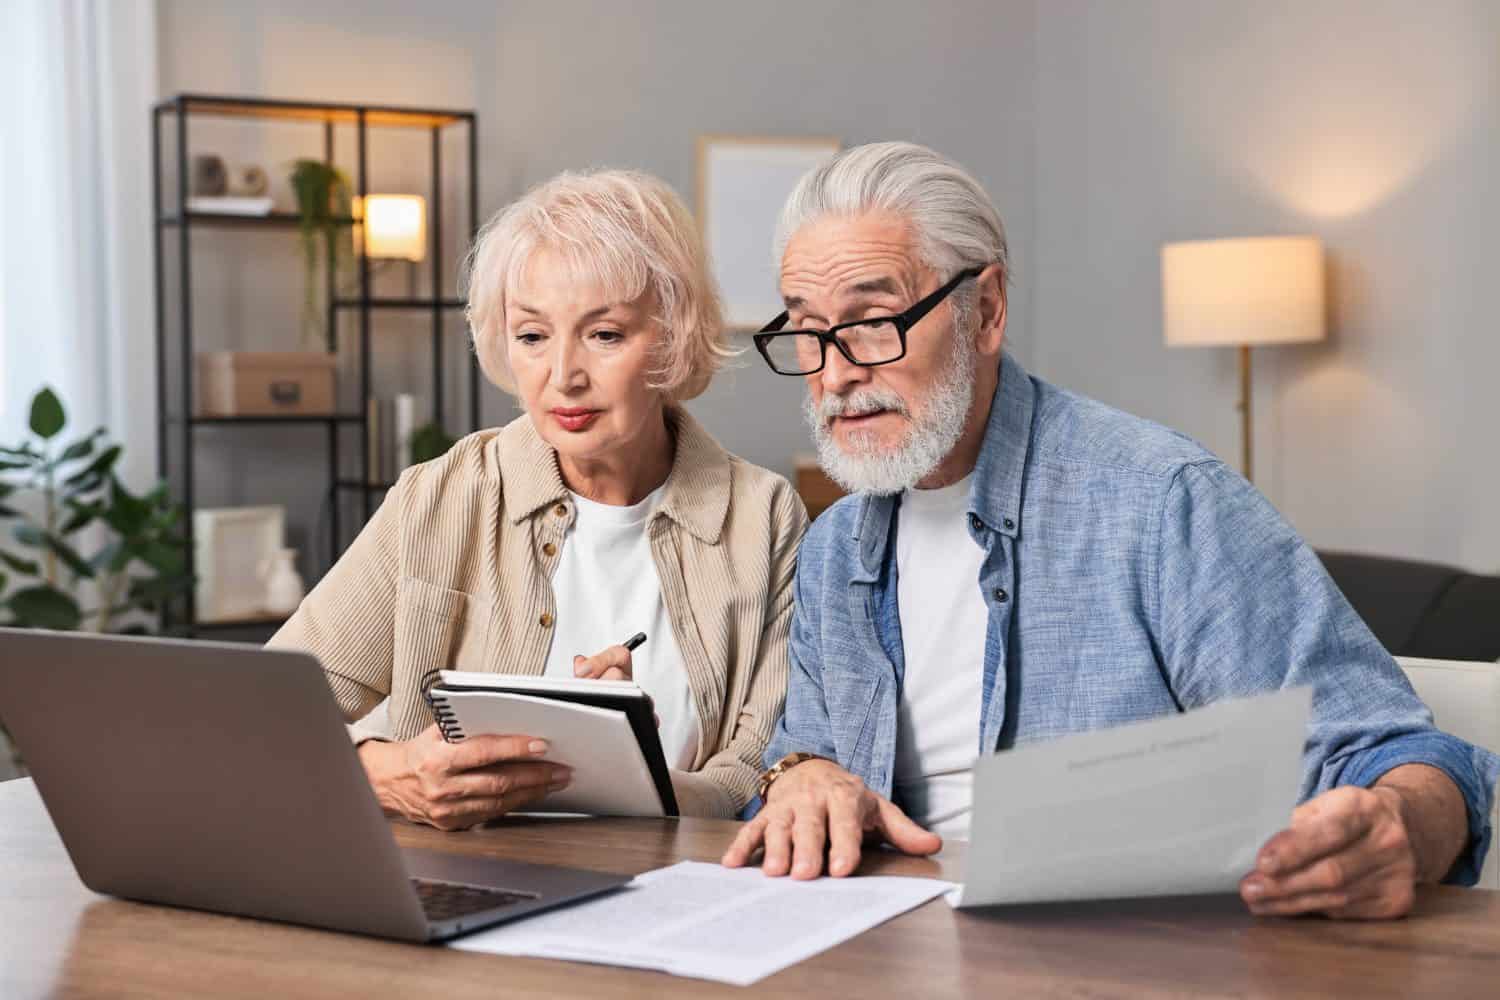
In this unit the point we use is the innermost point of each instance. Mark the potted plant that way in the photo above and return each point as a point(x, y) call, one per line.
point(325, 214)
point(82, 552)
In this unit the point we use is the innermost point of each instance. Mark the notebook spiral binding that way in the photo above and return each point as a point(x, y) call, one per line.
point(447, 721)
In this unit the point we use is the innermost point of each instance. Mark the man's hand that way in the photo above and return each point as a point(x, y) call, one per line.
point(1357, 853)
point(454, 786)
point(817, 805)
point(611, 664)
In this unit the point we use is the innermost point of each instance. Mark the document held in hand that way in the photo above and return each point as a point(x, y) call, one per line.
point(1172, 806)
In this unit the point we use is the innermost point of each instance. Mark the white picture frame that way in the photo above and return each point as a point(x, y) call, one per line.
point(743, 180)
point(230, 545)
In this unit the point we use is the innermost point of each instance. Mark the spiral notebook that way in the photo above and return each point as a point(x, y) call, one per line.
point(604, 730)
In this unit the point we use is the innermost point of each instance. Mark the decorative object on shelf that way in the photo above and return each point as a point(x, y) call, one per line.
point(1243, 292)
point(53, 493)
point(283, 586)
point(742, 182)
point(209, 176)
point(248, 180)
point(230, 546)
point(324, 210)
point(403, 423)
point(230, 205)
point(430, 441)
point(266, 383)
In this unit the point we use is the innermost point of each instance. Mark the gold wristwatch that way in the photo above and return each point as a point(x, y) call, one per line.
point(781, 767)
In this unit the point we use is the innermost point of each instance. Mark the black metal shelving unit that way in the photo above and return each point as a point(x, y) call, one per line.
point(175, 410)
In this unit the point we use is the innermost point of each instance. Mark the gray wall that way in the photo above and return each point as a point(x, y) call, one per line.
point(1102, 129)
point(1370, 124)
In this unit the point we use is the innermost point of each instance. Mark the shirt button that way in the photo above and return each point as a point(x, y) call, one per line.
point(549, 549)
point(561, 510)
point(975, 522)
point(1010, 525)
point(545, 620)
point(1001, 595)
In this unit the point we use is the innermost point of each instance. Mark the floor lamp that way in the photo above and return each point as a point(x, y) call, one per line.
point(1243, 293)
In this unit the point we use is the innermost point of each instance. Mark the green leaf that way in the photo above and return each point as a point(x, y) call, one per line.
point(81, 448)
point(125, 513)
point(165, 559)
point(6, 511)
point(6, 465)
point(44, 607)
point(47, 416)
point(100, 466)
point(83, 515)
point(69, 556)
point(24, 566)
point(28, 534)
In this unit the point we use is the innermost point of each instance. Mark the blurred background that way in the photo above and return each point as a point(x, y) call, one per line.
point(1105, 131)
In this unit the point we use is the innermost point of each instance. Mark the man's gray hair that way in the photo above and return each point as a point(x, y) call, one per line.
point(955, 223)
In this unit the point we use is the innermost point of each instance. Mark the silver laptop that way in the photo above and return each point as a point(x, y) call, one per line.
point(220, 777)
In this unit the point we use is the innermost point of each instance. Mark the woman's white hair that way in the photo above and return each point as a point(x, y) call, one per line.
point(954, 222)
point(626, 230)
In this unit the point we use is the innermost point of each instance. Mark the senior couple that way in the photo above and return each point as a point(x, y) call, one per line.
point(1016, 562)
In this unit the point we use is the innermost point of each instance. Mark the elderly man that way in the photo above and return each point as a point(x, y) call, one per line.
point(1019, 563)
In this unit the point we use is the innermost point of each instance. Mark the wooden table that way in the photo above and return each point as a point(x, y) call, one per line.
point(59, 939)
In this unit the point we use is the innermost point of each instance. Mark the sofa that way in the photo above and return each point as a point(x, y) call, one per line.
point(1421, 609)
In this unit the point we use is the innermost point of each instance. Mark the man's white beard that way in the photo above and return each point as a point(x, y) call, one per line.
point(866, 467)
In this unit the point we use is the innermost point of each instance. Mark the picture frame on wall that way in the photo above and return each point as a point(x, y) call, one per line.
point(231, 545)
point(743, 180)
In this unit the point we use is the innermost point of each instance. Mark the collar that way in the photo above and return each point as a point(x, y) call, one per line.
point(697, 488)
point(994, 497)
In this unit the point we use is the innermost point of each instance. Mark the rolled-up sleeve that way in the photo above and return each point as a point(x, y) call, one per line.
point(1243, 605)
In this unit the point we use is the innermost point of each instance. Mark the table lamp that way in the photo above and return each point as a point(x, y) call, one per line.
point(394, 227)
point(1243, 293)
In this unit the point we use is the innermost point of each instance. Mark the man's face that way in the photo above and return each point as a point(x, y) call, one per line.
point(879, 429)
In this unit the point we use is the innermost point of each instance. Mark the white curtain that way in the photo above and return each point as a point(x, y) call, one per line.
point(76, 278)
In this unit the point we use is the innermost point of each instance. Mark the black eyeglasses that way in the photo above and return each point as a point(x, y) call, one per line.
point(878, 340)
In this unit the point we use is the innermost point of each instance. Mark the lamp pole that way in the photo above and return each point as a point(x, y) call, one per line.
point(1246, 420)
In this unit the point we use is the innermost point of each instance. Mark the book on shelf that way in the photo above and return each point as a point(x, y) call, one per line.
point(229, 205)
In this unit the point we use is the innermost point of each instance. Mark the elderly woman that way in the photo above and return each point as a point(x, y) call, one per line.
point(604, 510)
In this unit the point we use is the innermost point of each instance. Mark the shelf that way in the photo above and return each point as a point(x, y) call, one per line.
point(340, 418)
point(271, 220)
point(338, 114)
point(402, 303)
point(355, 484)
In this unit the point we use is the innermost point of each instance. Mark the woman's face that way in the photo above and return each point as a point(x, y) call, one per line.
point(581, 362)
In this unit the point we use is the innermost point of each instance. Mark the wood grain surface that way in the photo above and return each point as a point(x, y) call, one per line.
point(57, 939)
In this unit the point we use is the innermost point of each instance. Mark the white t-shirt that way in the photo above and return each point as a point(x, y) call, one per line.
point(607, 590)
point(943, 626)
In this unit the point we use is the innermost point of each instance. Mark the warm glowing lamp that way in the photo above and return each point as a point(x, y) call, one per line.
point(395, 226)
point(1243, 293)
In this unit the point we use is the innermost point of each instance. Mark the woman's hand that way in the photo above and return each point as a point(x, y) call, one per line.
point(454, 786)
point(612, 664)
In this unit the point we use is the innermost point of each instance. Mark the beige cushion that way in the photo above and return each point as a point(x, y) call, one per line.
point(1465, 701)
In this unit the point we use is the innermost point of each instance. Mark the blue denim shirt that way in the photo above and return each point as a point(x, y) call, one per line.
point(1128, 573)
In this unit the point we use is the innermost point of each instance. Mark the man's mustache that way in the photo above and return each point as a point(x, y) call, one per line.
point(860, 404)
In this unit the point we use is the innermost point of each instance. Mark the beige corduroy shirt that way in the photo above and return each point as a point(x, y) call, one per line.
point(454, 572)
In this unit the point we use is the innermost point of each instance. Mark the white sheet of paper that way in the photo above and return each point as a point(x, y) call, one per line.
point(730, 925)
point(1172, 806)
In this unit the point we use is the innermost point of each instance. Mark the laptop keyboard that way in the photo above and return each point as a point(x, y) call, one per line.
point(446, 900)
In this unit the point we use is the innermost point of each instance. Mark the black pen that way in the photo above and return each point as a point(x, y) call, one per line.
point(634, 642)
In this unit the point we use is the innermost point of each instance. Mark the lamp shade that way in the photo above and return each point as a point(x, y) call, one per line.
point(1261, 290)
point(395, 226)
